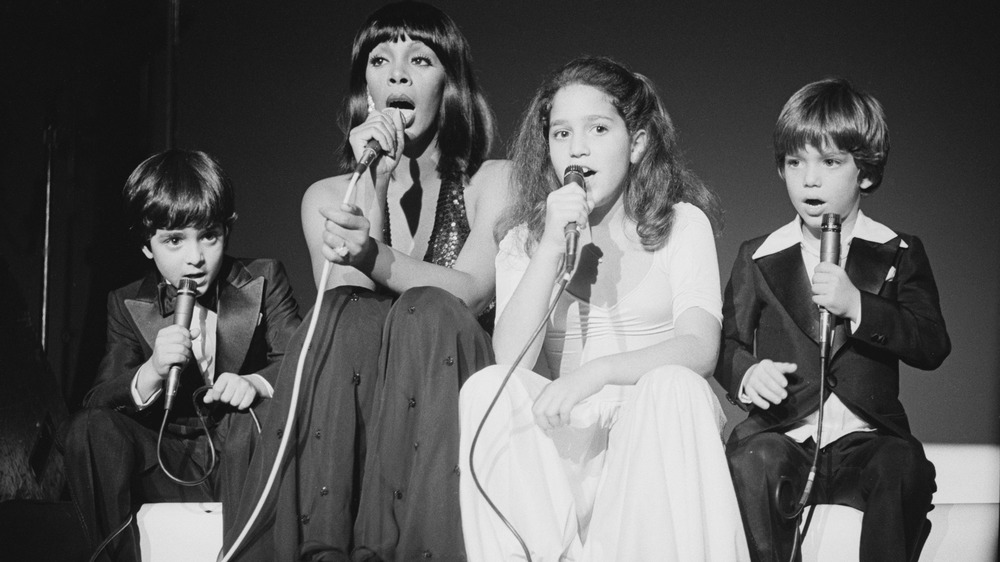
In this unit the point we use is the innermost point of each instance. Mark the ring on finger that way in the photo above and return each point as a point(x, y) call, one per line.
point(341, 250)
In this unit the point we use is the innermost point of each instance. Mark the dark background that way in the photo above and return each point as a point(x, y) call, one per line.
point(260, 85)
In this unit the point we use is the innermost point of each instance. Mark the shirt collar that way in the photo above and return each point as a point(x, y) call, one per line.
point(791, 235)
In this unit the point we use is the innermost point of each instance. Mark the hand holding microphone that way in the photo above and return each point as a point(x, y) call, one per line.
point(829, 252)
point(383, 133)
point(566, 209)
point(573, 174)
point(187, 292)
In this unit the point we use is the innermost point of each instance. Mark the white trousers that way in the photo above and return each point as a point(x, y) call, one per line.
point(639, 474)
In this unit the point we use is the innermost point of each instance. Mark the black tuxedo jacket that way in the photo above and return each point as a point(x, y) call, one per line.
point(769, 314)
point(257, 314)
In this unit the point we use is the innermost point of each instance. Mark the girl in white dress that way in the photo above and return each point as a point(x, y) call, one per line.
point(605, 443)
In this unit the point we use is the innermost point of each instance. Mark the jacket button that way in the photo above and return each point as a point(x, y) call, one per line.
point(398, 494)
point(831, 381)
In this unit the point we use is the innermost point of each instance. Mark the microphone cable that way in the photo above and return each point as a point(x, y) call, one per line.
point(225, 556)
point(199, 408)
point(829, 253)
point(800, 505)
point(104, 544)
point(567, 274)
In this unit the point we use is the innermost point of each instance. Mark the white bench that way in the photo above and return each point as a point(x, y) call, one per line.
point(965, 519)
point(171, 532)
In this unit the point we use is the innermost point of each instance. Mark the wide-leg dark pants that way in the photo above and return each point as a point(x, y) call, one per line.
point(372, 467)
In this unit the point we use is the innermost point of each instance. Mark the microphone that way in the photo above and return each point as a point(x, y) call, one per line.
point(572, 174)
point(368, 155)
point(187, 292)
point(829, 252)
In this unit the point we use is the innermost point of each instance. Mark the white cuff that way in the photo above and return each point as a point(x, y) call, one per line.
point(136, 397)
point(260, 384)
point(741, 395)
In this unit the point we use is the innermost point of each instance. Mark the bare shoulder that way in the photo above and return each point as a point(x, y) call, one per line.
point(325, 192)
point(488, 189)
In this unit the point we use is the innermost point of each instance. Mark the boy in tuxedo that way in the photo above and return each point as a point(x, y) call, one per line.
point(830, 144)
point(180, 205)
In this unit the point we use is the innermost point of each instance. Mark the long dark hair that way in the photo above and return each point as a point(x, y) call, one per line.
point(653, 185)
point(465, 121)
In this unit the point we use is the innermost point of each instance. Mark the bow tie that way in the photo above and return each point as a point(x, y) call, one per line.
point(167, 298)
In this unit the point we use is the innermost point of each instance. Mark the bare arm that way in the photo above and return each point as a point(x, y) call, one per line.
point(325, 193)
point(470, 279)
point(695, 346)
point(531, 298)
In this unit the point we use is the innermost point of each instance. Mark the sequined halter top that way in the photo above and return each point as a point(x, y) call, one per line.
point(451, 229)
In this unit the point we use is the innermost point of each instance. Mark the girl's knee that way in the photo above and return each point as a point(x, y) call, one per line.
point(482, 385)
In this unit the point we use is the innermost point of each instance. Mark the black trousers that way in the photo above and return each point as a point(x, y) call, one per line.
point(112, 469)
point(886, 477)
point(372, 469)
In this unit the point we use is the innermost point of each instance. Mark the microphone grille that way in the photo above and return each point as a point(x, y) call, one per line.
point(187, 285)
point(831, 221)
point(574, 173)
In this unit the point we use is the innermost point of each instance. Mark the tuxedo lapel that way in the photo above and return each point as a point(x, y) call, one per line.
point(240, 298)
point(868, 266)
point(786, 276)
point(146, 313)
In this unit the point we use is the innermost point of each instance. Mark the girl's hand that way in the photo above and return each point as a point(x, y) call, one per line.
point(387, 127)
point(346, 239)
point(554, 405)
point(569, 203)
point(833, 290)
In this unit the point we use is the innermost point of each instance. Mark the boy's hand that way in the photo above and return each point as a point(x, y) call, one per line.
point(554, 405)
point(766, 381)
point(833, 290)
point(232, 389)
point(346, 239)
point(172, 347)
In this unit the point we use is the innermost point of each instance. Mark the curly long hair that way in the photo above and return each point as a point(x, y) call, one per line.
point(653, 184)
point(465, 121)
